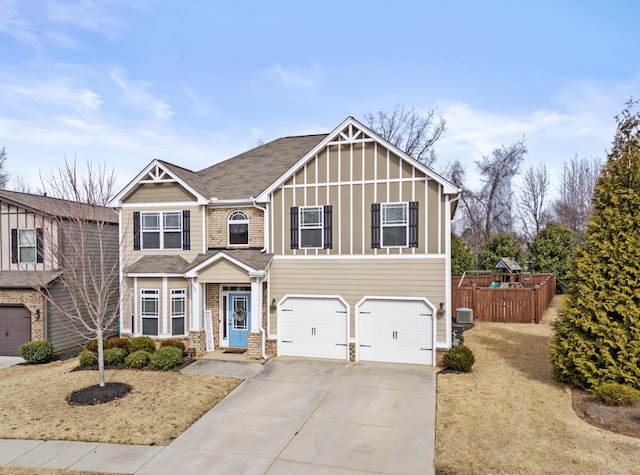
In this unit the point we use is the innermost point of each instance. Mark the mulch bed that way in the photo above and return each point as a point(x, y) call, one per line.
point(96, 394)
point(619, 419)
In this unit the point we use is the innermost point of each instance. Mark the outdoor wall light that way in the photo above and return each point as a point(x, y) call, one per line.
point(38, 314)
point(441, 309)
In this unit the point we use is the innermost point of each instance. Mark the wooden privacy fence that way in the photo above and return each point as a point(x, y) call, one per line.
point(508, 305)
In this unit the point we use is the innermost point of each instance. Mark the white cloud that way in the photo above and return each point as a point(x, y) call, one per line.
point(295, 78)
point(137, 94)
point(51, 91)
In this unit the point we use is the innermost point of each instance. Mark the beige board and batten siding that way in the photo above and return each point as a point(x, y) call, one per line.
point(159, 193)
point(15, 217)
point(223, 272)
point(351, 178)
point(352, 279)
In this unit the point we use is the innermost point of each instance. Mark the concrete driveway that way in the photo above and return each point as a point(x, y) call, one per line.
point(6, 361)
point(289, 416)
point(306, 416)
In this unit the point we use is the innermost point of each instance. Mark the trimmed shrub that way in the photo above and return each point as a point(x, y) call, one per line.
point(87, 358)
point(173, 342)
point(616, 394)
point(37, 352)
point(459, 358)
point(123, 343)
point(92, 346)
point(114, 356)
point(138, 359)
point(142, 343)
point(166, 357)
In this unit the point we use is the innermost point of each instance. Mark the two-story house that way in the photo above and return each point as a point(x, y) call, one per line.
point(330, 246)
point(33, 256)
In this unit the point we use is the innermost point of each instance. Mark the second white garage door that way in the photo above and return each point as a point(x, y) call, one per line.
point(313, 327)
point(395, 331)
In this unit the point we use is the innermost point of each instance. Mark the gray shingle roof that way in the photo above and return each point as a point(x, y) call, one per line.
point(248, 174)
point(158, 265)
point(57, 207)
point(22, 279)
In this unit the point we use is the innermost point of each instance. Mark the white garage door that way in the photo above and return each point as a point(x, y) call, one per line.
point(313, 327)
point(395, 331)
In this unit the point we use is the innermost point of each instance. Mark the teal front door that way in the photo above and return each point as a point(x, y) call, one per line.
point(239, 319)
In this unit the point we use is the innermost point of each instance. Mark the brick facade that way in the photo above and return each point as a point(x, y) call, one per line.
point(352, 351)
point(198, 341)
point(217, 227)
point(212, 302)
point(33, 301)
point(254, 350)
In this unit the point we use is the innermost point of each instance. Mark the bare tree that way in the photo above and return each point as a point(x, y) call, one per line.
point(488, 211)
point(4, 174)
point(86, 250)
point(573, 206)
point(533, 210)
point(19, 184)
point(410, 131)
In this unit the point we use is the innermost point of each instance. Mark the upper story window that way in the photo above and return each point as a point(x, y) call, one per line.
point(394, 224)
point(311, 227)
point(27, 246)
point(161, 230)
point(238, 223)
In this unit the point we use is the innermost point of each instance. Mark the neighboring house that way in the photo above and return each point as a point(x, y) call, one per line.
point(31, 256)
point(330, 246)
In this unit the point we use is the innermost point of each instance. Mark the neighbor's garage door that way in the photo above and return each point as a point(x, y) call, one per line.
point(395, 331)
point(15, 329)
point(313, 327)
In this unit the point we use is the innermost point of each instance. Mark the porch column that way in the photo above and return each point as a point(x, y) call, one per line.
point(196, 305)
point(256, 303)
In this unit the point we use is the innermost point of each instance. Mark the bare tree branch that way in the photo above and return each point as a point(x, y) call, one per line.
point(533, 210)
point(411, 132)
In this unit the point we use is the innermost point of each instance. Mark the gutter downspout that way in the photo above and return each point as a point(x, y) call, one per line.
point(265, 228)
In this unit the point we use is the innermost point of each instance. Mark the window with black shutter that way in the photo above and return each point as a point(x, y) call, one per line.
point(375, 225)
point(136, 230)
point(294, 227)
point(413, 223)
point(186, 230)
point(328, 225)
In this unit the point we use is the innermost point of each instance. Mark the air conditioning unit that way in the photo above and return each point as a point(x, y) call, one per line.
point(464, 315)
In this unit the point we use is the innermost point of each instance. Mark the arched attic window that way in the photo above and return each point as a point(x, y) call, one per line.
point(238, 229)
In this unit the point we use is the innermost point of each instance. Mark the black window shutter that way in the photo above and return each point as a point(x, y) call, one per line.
point(294, 227)
point(328, 227)
point(39, 246)
point(136, 230)
point(413, 223)
point(186, 230)
point(14, 246)
point(375, 225)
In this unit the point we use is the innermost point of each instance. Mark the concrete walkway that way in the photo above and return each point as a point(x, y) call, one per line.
point(290, 416)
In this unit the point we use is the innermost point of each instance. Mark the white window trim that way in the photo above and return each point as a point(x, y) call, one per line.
point(238, 221)
point(146, 294)
point(34, 247)
point(319, 227)
point(394, 225)
point(161, 229)
point(179, 294)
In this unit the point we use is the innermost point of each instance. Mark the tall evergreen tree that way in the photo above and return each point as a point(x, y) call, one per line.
point(551, 250)
point(598, 332)
point(501, 245)
point(461, 256)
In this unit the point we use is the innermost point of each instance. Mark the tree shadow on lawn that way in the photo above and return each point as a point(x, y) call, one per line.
point(526, 352)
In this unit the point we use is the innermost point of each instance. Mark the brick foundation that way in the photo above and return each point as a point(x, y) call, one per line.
point(254, 350)
point(271, 347)
point(352, 352)
point(439, 354)
point(198, 341)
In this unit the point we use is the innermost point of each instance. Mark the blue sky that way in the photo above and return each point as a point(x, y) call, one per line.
point(193, 82)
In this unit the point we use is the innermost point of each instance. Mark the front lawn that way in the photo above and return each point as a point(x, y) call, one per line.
point(510, 416)
point(161, 405)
